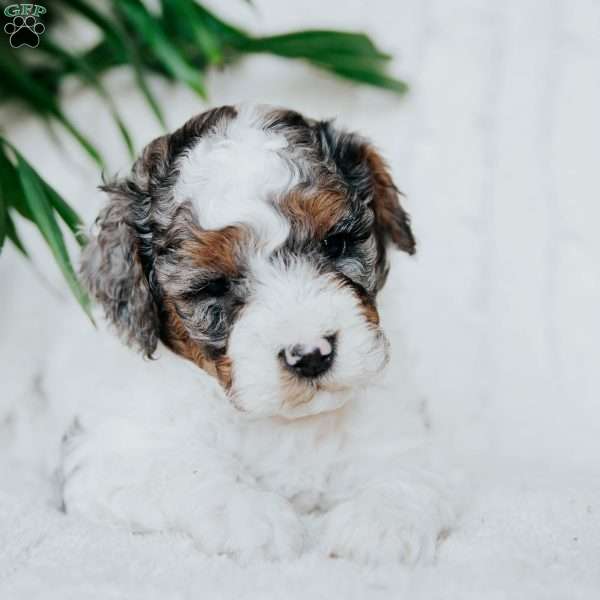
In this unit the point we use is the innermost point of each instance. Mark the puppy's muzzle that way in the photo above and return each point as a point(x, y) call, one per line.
point(310, 360)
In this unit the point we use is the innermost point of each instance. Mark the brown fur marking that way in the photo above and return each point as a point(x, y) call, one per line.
point(223, 368)
point(177, 338)
point(216, 250)
point(316, 214)
point(367, 303)
point(179, 341)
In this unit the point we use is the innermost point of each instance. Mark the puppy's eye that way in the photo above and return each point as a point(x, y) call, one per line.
point(336, 245)
point(214, 288)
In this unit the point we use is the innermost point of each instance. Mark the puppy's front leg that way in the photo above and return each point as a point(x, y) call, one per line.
point(399, 517)
point(159, 480)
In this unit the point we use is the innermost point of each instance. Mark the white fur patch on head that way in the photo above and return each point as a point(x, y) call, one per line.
point(292, 304)
point(235, 173)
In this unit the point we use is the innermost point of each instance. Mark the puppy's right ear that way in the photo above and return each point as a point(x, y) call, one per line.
point(116, 265)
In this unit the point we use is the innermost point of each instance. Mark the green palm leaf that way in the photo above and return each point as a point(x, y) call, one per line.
point(41, 208)
point(23, 189)
point(16, 75)
point(3, 215)
point(80, 66)
point(12, 235)
point(120, 44)
point(166, 53)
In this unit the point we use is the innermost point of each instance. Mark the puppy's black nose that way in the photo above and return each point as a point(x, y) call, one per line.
point(310, 360)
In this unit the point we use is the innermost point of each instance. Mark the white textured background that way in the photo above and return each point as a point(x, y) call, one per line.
point(498, 150)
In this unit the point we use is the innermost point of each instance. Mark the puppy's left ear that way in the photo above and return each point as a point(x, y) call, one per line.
point(391, 220)
point(365, 171)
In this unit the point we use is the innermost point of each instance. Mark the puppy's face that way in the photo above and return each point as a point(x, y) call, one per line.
point(252, 241)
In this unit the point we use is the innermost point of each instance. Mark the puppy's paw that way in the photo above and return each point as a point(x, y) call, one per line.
point(103, 479)
point(391, 523)
point(251, 524)
point(146, 493)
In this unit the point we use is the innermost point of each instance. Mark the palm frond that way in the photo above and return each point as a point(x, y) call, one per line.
point(24, 190)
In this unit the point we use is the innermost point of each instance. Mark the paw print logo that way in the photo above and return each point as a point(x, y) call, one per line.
point(24, 31)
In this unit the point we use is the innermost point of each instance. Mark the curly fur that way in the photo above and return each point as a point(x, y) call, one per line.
point(248, 232)
point(112, 270)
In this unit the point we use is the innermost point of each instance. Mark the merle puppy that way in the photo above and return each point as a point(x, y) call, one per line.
point(249, 245)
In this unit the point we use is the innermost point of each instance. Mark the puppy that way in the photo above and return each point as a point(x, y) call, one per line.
point(250, 245)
